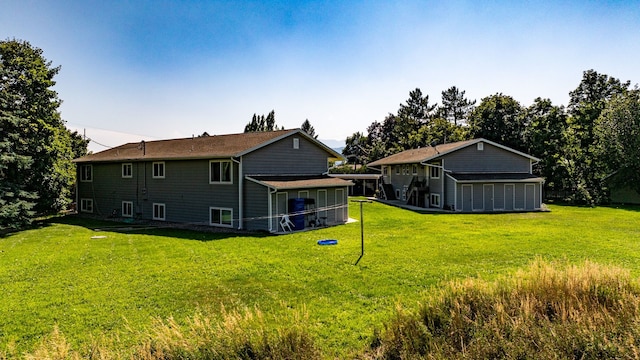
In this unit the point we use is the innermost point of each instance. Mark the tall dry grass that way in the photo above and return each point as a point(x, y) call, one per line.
point(548, 311)
point(232, 335)
point(238, 335)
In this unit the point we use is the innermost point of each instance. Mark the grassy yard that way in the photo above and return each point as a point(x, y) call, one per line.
point(115, 286)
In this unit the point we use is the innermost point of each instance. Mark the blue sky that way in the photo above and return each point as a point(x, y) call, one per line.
point(135, 70)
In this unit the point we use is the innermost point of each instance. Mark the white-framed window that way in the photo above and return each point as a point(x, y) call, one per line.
point(434, 172)
point(434, 200)
point(220, 172)
point(86, 173)
point(127, 209)
point(159, 211)
point(296, 143)
point(221, 217)
point(127, 170)
point(414, 169)
point(480, 146)
point(397, 193)
point(86, 205)
point(158, 170)
point(385, 170)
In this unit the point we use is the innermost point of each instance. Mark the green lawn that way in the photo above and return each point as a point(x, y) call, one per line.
point(58, 275)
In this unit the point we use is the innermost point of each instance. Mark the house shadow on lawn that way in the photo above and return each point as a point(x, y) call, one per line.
point(154, 228)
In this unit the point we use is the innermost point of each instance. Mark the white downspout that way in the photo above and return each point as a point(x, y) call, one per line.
point(444, 178)
point(240, 193)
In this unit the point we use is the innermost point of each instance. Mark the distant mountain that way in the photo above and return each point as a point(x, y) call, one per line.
point(336, 145)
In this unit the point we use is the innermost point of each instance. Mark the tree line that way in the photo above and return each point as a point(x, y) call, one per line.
point(581, 146)
point(36, 148)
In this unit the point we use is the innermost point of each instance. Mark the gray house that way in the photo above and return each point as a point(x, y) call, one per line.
point(467, 176)
point(242, 181)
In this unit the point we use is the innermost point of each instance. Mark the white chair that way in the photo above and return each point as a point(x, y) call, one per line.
point(286, 223)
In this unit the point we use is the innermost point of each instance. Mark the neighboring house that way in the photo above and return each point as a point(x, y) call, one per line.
point(466, 176)
point(242, 181)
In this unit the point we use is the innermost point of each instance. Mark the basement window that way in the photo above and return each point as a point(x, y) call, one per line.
point(221, 217)
point(127, 209)
point(159, 211)
point(86, 205)
point(434, 199)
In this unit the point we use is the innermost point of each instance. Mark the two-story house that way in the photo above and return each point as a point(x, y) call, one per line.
point(465, 176)
point(244, 181)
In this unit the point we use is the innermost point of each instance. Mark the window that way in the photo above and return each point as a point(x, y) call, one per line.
point(221, 217)
point(480, 146)
point(86, 205)
point(126, 170)
point(86, 173)
point(397, 169)
point(385, 170)
point(127, 209)
point(158, 211)
point(158, 170)
point(434, 172)
point(220, 172)
point(434, 199)
point(415, 169)
point(296, 143)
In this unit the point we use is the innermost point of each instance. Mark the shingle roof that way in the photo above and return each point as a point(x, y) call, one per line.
point(298, 182)
point(421, 154)
point(216, 146)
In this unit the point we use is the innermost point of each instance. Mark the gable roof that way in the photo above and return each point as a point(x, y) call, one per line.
point(206, 147)
point(433, 152)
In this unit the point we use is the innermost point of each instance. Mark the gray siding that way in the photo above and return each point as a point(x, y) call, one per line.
point(281, 158)
point(185, 190)
point(490, 159)
point(256, 206)
point(449, 198)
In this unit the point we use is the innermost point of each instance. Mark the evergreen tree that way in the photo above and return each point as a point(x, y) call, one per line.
point(261, 123)
point(35, 130)
point(306, 127)
point(455, 106)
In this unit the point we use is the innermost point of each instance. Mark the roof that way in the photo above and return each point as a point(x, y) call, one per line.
point(216, 146)
point(285, 182)
point(419, 155)
point(495, 177)
point(432, 152)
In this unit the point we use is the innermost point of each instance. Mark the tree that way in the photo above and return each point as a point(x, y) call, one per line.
point(586, 104)
point(544, 138)
point(26, 94)
point(617, 131)
point(306, 127)
point(262, 123)
point(16, 204)
point(455, 106)
point(355, 149)
point(498, 118)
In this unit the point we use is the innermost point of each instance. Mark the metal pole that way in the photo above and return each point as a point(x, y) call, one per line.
point(361, 230)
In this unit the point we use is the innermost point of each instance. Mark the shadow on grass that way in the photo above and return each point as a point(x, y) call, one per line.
point(626, 207)
point(173, 230)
